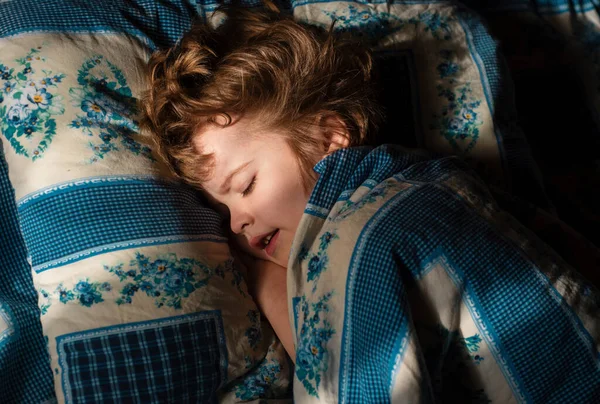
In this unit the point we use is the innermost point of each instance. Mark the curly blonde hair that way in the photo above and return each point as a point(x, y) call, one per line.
point(256, 63)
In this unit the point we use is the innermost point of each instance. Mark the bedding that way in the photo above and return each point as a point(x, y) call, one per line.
point(406, 282)
point(137, 296)
point(114, 278)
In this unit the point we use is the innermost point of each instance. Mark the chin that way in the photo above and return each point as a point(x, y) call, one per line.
point(278, 261)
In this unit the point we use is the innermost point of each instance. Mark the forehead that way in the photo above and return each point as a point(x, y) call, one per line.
point(234, 145)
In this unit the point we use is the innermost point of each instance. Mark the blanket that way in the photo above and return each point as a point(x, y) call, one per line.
point(407, 283)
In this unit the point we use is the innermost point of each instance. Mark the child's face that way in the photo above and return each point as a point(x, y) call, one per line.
point(265, 194)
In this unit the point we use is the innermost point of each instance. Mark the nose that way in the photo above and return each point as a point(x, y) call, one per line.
point(239, 220)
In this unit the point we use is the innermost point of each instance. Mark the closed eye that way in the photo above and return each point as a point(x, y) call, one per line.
point(250, 187)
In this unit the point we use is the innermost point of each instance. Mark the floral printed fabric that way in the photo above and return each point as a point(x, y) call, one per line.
point(457, 118)
point(69, 127)
point(107, 107)
point(33, 96)
point(168, 280)
point(29, 103)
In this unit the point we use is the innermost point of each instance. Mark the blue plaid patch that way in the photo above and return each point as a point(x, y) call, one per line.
point(178, 359)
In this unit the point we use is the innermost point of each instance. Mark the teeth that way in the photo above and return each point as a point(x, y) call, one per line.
point(267, 239)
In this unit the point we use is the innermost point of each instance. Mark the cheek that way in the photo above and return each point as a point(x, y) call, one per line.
point(292, 211)
point(288, 198)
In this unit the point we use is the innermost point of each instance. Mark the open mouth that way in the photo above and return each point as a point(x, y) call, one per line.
point(267, 240)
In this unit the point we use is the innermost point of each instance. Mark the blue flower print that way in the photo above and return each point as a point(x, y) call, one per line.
point(326, 239)
point(45, 301)
point(303, 253)
point(258, 382)
point(447, 69)
point(350, 207)
point(18, 114)
point(435, 23)
point(87, 299)
point(40, 98)
point(8, 87)
point(106, 137)
point(6, 73)
point(86, 293)
point(147, 287)
point(311, 352)
point(64, 295)
point(316, 266)
point(365, 21)
point(458, 119)
point(253, 333)
point(455, 124)
point(317, 263)
point(174, 282)
point(468, 114)
point(45, 82)
point(29, 124)
point(83, 287)
point(93, 109)
point(1, 98)
point(108, 110)
point(168, 280)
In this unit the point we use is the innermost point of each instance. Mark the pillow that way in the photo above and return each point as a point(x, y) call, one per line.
point(138, 293)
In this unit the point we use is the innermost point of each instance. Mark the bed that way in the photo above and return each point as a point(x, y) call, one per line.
point(117, 283)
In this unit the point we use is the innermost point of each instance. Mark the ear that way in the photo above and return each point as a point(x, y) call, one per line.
point(334, 132)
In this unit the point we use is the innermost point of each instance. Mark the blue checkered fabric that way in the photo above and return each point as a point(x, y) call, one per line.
point(25, 375)
point(550, 356)
point(105, 217)
point(179, 359)
point(160, 23)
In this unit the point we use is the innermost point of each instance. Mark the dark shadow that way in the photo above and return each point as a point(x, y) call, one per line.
point(560, 127)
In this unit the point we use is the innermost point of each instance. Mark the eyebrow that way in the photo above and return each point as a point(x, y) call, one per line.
point(227, 182)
